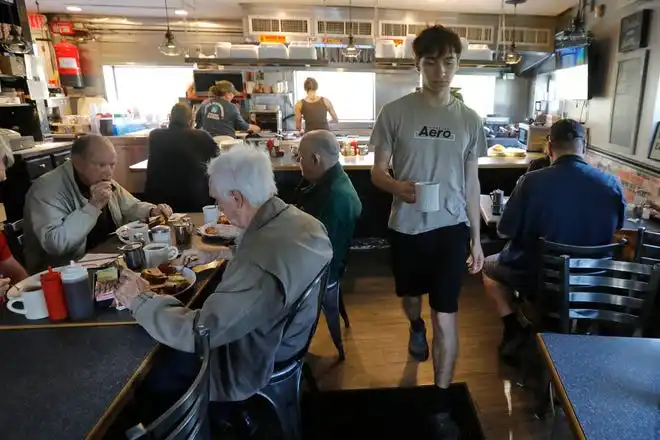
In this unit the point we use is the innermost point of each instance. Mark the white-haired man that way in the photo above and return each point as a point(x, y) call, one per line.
point(281, 252)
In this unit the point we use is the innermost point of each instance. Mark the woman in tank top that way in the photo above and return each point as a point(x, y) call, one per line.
point(314, 109)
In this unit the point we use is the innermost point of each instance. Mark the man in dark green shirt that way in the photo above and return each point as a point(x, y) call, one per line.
point(332, 199)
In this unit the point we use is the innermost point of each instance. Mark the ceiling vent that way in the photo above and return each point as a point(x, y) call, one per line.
point(473, 33)
point(285, 26)
point(528, 37)
point(395, 29)
point(360, 28)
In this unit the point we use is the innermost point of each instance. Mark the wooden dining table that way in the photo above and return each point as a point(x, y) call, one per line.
point(71, 380)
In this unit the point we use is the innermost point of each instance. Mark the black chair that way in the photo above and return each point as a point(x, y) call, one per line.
point(333, 308)
point(599, 292)
point(540, 308)
point(647, 250)
point(549, 262)
point(621, 293)
point(188, 416)
point(283, 389)
point(14, 233)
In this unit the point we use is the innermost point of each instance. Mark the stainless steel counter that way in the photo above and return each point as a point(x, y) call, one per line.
point(42, 148)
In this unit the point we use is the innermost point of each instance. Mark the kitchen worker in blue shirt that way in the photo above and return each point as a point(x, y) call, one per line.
point(218, 116)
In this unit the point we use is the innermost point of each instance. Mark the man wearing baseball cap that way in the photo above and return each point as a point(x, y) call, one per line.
point(569, 202)
point(218, 116)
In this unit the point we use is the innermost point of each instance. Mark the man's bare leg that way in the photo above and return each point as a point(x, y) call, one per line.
point(417, 345)
point(500, 294)
point(513, 330)
point(445, 353)
point(445, 347)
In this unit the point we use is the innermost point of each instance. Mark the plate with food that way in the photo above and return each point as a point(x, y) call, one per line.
point(497, 150)
point(169, 280)
point(219, 230)
point(515, 152)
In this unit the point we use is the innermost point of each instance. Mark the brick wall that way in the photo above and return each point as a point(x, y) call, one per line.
point(634, 181)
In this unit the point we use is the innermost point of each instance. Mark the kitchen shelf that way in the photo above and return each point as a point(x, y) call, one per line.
point(405, 63)
point(12, 77)
point(256, 62)
point(252, 95)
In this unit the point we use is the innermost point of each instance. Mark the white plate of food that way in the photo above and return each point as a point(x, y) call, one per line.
point(169, 280)
point(219, 230)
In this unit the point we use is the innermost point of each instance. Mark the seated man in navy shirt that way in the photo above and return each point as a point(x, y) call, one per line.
point(569, 202)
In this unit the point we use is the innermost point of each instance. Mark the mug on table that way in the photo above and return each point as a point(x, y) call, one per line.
point(159, 253)
point(211, 213)
point(161, 234)
point(34, 304)
point(133, 232)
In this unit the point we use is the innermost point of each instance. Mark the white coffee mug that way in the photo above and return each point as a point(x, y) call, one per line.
point(34, 304)
point(427, 196)
point(161, 234)
point(159, 253)
point(211, 213)
point(133, 232)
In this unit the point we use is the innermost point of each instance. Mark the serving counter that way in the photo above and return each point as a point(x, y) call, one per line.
point(494, 173)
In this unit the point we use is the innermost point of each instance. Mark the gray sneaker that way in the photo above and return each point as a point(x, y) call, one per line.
point(443, 427)
point(417, 345)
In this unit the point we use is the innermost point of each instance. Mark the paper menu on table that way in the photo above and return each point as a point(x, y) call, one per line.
point(97, 260)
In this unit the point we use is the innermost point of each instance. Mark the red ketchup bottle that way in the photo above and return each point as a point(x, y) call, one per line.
point(51, 283)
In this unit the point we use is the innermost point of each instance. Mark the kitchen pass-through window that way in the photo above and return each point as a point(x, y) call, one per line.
point(352, 94)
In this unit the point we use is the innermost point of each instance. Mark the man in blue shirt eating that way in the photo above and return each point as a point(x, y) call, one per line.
point(569, 202)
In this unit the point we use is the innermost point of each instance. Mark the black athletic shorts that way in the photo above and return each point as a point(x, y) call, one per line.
point(432, 262)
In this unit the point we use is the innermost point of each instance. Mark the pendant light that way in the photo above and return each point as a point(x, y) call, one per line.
point(511, 55)
point(351, 50)
point(169, 46)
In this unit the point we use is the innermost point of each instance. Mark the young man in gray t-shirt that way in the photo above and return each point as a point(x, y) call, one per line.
point(430, 136)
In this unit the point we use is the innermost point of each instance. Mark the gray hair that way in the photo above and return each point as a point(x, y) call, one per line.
point(6, 153)
point(246, 170)
point(81, 145)
point(324, 143)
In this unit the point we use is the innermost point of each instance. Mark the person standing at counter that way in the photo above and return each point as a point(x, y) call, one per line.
point(218, 116)
point(75, 207)
point(314, 109)
point(178, 155)
point(332, 199)
point(430, 136)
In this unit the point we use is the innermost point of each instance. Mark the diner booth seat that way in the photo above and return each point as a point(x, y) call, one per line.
point(186, 419)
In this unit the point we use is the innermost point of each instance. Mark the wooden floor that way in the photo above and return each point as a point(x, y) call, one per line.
point(376, 350)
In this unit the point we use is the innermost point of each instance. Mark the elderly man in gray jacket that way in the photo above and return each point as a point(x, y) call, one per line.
point(77, 205)
point(280, 253)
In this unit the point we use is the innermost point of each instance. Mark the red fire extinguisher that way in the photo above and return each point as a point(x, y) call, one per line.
point(68, 64)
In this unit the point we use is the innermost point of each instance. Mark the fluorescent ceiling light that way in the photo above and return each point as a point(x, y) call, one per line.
point(74, 9)
point(181, 12)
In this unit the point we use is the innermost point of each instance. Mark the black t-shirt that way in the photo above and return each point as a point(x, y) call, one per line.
point(104, 226)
